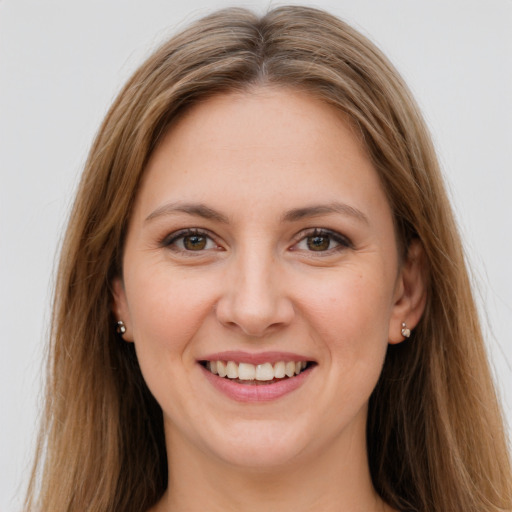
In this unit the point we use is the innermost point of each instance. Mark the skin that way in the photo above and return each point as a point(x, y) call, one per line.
point(256, 285)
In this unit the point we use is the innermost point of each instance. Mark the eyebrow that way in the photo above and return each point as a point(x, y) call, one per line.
point(205, 212)
point(324, 209)
point(196, 209)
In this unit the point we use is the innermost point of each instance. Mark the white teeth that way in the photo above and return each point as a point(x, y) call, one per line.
point(290, 369)
point(264, 372)
point(232, 370)
point(221, 369)
point(260, 372)
point(279, 371)
point(246, 371)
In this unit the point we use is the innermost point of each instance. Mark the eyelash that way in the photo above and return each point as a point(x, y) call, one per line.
point(170, 241)
point(342, 241)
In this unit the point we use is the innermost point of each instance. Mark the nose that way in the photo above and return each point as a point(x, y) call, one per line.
point(254, 298)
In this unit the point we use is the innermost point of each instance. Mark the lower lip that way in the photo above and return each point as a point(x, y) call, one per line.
point(256, 392)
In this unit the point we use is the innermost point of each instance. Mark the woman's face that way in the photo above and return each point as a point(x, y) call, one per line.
point(261, 242)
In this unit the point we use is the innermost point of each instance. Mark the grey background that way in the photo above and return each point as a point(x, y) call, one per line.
point(61, 64)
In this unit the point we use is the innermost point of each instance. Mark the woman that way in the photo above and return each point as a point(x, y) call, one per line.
point(262, 299)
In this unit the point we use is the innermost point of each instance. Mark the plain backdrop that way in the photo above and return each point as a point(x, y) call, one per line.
point(61, 64)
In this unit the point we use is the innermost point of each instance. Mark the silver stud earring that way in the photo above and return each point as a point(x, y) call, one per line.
point(120, 327)
point(406, 332)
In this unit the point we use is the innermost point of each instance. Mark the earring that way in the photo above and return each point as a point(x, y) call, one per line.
point(120, 327)
point(406, 333)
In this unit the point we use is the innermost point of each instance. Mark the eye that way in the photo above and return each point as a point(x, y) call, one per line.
point(189, 240)
point(322, 240)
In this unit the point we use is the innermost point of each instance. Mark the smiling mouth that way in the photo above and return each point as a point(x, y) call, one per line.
point(257, 374)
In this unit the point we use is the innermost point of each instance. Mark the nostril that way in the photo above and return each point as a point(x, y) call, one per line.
point(254, 307)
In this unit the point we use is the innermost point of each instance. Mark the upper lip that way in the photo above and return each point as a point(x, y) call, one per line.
point(254, 358)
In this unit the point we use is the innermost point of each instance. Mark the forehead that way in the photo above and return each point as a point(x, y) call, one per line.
point(271, 140)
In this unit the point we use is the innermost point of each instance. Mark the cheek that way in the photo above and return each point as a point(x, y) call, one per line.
point(349, 316)
point(166, 313)
point(353, 304)
point(167, 309)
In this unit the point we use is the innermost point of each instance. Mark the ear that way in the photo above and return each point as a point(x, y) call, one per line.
point(120, 307)
point(410, 293)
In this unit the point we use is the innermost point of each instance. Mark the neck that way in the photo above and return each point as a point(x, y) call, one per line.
point(337, 479)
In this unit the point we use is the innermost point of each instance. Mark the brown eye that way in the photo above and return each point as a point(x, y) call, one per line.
point(318, 243)
point(194, 242)
point(189, 241)
point(322, 241)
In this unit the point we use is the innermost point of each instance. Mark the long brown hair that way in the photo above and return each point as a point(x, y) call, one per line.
point(435, 434)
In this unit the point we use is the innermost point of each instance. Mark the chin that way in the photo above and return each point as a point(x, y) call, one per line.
point(259, 446)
